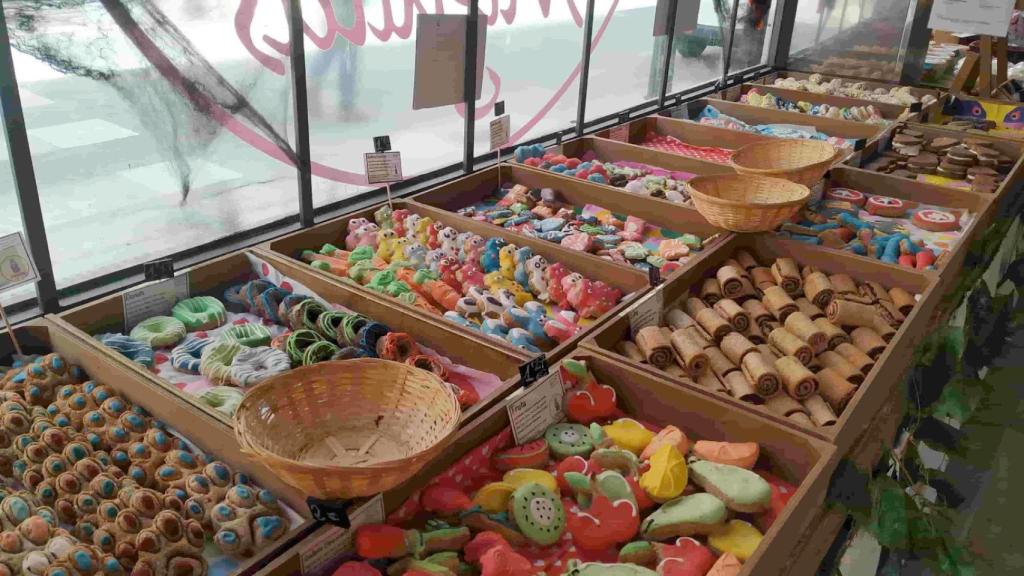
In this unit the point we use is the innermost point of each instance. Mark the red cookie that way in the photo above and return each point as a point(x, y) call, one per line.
point(530, 455)
point(846, 195)
point(885, 206)
point(936, 220)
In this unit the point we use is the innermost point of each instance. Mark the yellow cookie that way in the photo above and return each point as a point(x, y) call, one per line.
point(629, 434)
point(519, 476)
point(493, 498)
point(667, 475)
point(738, 538)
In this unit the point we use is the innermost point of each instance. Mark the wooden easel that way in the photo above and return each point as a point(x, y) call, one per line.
point(976, 69)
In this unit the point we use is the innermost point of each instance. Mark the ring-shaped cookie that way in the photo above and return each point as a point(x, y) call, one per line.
point(255, 365)
point(159, 331)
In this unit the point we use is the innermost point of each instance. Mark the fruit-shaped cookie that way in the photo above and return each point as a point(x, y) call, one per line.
point(613, 515)
point(530, 455)
point(629, 434)
point(699, 513)
point(569, 440)
point(538, 513)
point(247, 520)
point(666, 478)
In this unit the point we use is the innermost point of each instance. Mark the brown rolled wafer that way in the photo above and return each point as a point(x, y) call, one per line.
point(746, 260)
point(855, 356)
point(693, 305)
point(656, 348)
point(736, 264)
point(883, 328)
point(730, 280)
point(819, 410)
point(740, 387)
point(767, 326)
point(903, 300)
point(762, 374)
point(874, 292)
point(844, 369)
point(735, 346)
point(798, 381)
point(842, 284)
point(754, 335)
point(835, 334)
point(809, 309)
point(801, 419)
point(762, 277)
point(758, 313)
point(719, 363)
point(818, 289)
point(677, 319)
point(807, 271)
point(868, 341)
point(734, 313)
point(784, 406)
point(711, 291)
point(891, 313)
point(713, 324)
point(710, 382)
point(677, 371)
point(835, 389)
point(690, 352)
point(747, 292)
point(698, 335)
point(790, 345)
point(787, 275)
point(805, 329)
point(631, 351)
point(778, 302)
point(846, 313)
point(769, 354)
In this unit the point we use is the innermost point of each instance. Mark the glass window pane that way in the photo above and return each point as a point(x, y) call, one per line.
point(360, 65)
point(751, 30)
point(10, 220)
point(153, 128)
point(698, 53)
point(624, 71)
point(533, 64)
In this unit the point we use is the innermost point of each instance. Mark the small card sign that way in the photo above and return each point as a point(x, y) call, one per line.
point(989, 17)
point(500, 129)
point(381, 144)
point(383, 167)
point(154, 299)
point(533, 370)
point(161, 269)
point(646, 312)
point(16, 265)
point(335, 542)
point(533, 410)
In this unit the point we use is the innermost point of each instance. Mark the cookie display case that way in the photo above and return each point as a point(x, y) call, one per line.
point(795, 458)
point(197, 437)
point(489, 371)
point(585, 289)
point(674, 138)
point(826, 105)
point(868, 372)
point(651, 222)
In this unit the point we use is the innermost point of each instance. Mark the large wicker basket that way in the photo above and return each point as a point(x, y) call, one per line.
point(801, 161)
point(347, 428)
point(743, 203)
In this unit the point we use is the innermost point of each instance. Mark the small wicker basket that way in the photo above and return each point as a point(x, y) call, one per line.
point(801, 161)
point(743, 203)
point(347, 428)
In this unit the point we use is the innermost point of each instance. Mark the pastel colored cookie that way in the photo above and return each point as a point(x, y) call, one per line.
point(629, 434)
point(885, 206)
point(200, 313)
point(159, 331)
point(742, 454)
point(530, 455)
point(248, 334)
point(538, 513)
point(216, 361)
point(522, 476)
point(668, 435)
point(726, 565)
point(129, 347)
point(738, 538)
point(185, 356)
point(666, 477)
point(598, 569)
point(699, 513)
point(936, 220)
point(569, 440)
point(494, 498)
point(254, 365)
point(740, 489)
point(224, 399)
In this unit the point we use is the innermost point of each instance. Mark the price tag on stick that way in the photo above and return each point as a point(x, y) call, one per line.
point(383, 166)
point(533, 370)
point(155, 299)
point(16, 269)
point(533, 410)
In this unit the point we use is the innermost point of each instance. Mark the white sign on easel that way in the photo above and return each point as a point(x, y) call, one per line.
point(16, 269)
point(986, 17)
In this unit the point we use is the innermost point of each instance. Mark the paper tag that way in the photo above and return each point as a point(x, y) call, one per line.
point(320, 551)
point(533, 410)
point(533, 370)
point(646, 312)
point(383, 167)
point(154, 299)
point(500, 130)
point(988, 17)
point(16, 265)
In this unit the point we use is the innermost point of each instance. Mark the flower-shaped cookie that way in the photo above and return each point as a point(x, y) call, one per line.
point(247, 520)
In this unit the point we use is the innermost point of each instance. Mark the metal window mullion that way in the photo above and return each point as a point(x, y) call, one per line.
point(727, 56)
point(469, 85)
point(782, 35)
point(670, 31)
point(588, 33)
point(25, 186)
point(303, 164)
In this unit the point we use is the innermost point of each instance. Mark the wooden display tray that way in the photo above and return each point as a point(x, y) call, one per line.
point(283, 252)
point(688, 132)
point(889, 368)
point(940, 116)
point(213, 277)
point(794, 455)
point(888, 111)
point(668, 215)
point(608, 150)
point(43, 336)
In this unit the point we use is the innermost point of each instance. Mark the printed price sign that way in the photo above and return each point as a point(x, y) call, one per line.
point(383, 167)
point(328, 545)
point(155, 299)
point(16, 266)
point(533, 370)
point(989, 17)
point(536, 408)
point(646, 312)
point(500, 130)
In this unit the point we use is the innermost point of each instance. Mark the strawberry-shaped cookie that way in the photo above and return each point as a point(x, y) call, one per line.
point(612, 518)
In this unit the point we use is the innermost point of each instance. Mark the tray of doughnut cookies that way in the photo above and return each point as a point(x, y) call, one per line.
point(627, 475)
point(810, 337)
point(238, 320)
point(103, 472)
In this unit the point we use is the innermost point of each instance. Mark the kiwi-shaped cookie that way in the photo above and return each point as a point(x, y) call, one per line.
point(566, 440)
point(538, 513)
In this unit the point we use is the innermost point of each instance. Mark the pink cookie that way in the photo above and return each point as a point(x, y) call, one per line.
point(579, 241)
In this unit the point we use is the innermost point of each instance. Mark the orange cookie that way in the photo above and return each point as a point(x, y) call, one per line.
point(936, 220)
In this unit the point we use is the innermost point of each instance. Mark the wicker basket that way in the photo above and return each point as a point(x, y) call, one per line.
point(347, 428)
point(743, 203)
point(801, 161)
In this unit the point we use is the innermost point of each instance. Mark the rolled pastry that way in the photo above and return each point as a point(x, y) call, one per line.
point(730, 280)
point(783, 405)
point(735, 346)
point(787, 275)
point(844, 369)
point(883, 328)
point(903, 300)
point(758, 313)
point(655, 347)
point(790, 345)
point(739, 386)
point(677, 319)
point(868, 341)
point(631, 351)
point(835, 334)
point(855, 356)
point(821, 413)
point(798, 380)
point(719, 363)
point(690, 352)
point(745, 260)
point(763, 278)
point(845, 313)
point(713, 324)
point(818, 289)
point(711, 291)
point(754, 335)
point(709, 381)
point(835, 389)
point(778, 302)
point(805, 329)
point(809, 309)
point(734, 313)
point(694, 305)
point(761, 374)
point(842, 284)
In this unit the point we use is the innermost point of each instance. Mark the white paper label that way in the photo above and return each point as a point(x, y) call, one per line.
point(154, 299)
point(500, 130)
point(532, 411)
point(16, 266)
point(619, 133)
point(989, 17)
point(383, 167)
point(646, 312)
point(334, 542)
